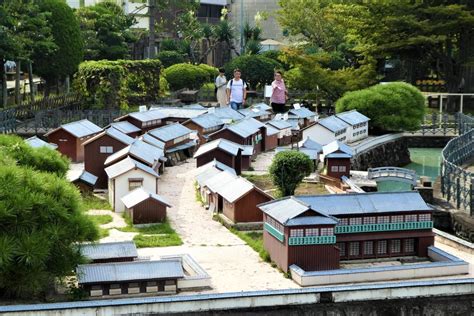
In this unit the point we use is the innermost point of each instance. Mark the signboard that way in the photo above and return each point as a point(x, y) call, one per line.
point(268, 91)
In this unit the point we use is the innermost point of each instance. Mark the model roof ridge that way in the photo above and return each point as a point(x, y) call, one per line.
point(111, 131)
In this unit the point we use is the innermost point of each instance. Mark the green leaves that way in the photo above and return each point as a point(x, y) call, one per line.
point(288, 169)
point(184, 75)
point(256, 70)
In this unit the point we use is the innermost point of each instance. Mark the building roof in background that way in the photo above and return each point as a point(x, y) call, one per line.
point(139, 195)
point(126, 165)
point(302, 112)
point(129, 271)
point(285, 209)
point(310, 144)
point(170, 132)
point(207, 173)
point(271, 130)
point(262, 106)
point(125, 127)
point(253, 112)
point(235, 189)
point(212, 165)
point(80, 128)
point(140, 150)
point(335, 146)
point(219, 180)
point(311, 153)
point(226, 113)
point(352, 117)
point(221, 143)
point(115, 134)
point(148, 115)
point(207, 121)
point(279, 124)
point(109, 250)
point(81, 174)
point(245, 128)
point(333, 124)
point(37, 142)
point(295, 126)
point(179, 112)
point(248, 150)
point(152, 141)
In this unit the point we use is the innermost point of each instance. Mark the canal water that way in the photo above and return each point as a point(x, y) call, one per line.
point(425, 161)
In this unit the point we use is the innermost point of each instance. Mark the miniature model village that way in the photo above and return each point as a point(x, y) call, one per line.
point(307, 236)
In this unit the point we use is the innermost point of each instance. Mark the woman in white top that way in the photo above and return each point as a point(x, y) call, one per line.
point(221, 83)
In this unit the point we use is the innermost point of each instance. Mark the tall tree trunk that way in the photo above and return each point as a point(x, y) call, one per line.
point(67, 83)
point(17, 83)
point(3, 76)
point(30, 79)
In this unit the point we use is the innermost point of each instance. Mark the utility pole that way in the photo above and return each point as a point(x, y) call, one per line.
point(151, 39)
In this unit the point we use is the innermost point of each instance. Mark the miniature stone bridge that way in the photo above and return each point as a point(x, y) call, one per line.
point(393, 173)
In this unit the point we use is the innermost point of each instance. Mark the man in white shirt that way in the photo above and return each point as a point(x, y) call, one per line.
point(236, 91)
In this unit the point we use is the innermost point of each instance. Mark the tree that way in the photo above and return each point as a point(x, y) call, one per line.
point(396, 106)
point(182, 76)
point(256, 69)
point(41, 221)
point(106, 31)
point(67, 37)
point(288, 169)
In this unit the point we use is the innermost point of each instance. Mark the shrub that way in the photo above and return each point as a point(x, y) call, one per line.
point(393, 107)
point(182, 76)
point(169, 58)
point(256, 70)
point(288, 169)
point(212, 72)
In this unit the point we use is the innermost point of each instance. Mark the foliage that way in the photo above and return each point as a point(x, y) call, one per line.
point(41, 159)
point(288, 169)
point(106, 31)
point(395, 106)
point(144, 241)
point(41, 221)
point(252, 39)
point(92, 202)
point(109, 84)
point(182, 76)
point(157, 235)
point(169, 58)
point(100, 219)
point(255, 241)
point(212, 72)
point(256, 70)
point(67, 37)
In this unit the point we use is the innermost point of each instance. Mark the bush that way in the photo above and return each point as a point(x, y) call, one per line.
point(256, 70)
point(212, 72)
point(288, 169)
point(182, 76)
point(396, 106)
point(169, 58)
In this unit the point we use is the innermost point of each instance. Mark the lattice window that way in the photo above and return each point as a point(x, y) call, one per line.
point(334, 168)
point(409, 245)
point(424, 217)
point(370, 220)
point(327, 231)
point(368, 247)
point(354, 248)
point(355, 221)
point(395, 246)
point(296, 233)
point(381, 247)
point(342, 168)
point(106, 149)
point(342, 248)
point(397, 219)
point(383, 219)
point(411, 218)
point(343, 221)
point(312, 232)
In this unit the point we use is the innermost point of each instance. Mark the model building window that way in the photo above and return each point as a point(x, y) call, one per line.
point(106, 149)
point(327, 231)
point(409, 245)
point(368, 247)
point(382, 247)
point(312, 232)
point(342, 248)
point(343, 221)
point(395, 246)
point(355, 221)
point(397, 219)
point(296, 233)
point(425, 217)
point(134, 184)
point(370, 220)
point(410, 218)
point(383, 219)
point(342, 168)
point(354, 249)
point(334, 168)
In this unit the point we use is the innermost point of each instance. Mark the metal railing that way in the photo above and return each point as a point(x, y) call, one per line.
point(389, 173)
point(311, 240)
point(274, 232)
point(383, 227)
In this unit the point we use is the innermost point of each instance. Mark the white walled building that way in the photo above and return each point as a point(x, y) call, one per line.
point(358, 125)
point(327, 130)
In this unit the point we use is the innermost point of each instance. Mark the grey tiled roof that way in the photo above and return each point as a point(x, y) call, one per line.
point(211, 169)
point(333, 124)
point(226, 113)
point(125, 127)
point(37, 142)
point(221, 143)
point(235, 189)
point(219, 180)
point(246, 127)
point(129, 271)
point(207, 121)
point(139, 195)
point(179, 112)
point(115, 134)
point(302, 112)
point(152, 141)
point(140, 150)
point(111, 250)
point(169, 132)
point(336, 146)
point(126, 165)
point(310, 144)
point(353, 117)
point(74, 175)
point(80, 128)
point(149, 115)
point(279, 124)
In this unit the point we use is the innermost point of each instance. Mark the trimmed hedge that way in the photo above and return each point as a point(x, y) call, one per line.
point(169, 58)
point(182, 76)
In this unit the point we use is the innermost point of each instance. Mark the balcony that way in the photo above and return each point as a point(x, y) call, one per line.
point(370, 228)
point(311, 240)
point(274, 232)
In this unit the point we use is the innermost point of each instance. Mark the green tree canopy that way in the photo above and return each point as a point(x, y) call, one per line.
point(256, 70)
point(288, 169)
point(41, 219)
point(106, 31)
point(396, 106)
point(169, 58)
point(182, 76)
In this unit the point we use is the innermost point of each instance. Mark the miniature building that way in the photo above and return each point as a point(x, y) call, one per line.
point(210, 188)
point(248, 153)
point(316, 232)
point(70, 138)
point(127, 128)
point(240, 200)
point(37, 142)
point(179, 114)
point(337, 159)
point(98, 148)
point(327, 130)
point(304, 116)
point(256, 113)
point(145, 120)
point(159, 277)
point(144, 207)
point(284, 131)
point(222, 150)
point(126, 176)
point(110, 252)
point(177, 139)
point(358, 125)
point(204, 125)
point(227, 114)
point(83, 180)
point(206, 172)
point(271, 141)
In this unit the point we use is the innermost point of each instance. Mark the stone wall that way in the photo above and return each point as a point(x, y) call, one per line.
point(427, 141)
point(391, 154)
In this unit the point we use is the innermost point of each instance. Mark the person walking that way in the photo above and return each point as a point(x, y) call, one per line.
point(236, 91)
point(221, 93)
point(279, 94)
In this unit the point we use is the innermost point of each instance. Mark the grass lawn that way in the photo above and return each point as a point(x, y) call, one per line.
point(264, 182)
point(255, 241)
point(100, 220)
point(92, 202)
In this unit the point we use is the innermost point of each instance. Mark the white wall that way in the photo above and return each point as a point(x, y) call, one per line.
point(319, 134)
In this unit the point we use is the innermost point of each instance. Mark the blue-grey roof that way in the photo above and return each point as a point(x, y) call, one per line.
point(235, 189)
point(189, 144)
point(311, 220)
point(195, 106)
point(215, 165)
point(311, 153)
point(285, 209)
point(149, 115)
point(87, 177)
point(338, 155)
point(152, 141)
point(353, 117)
point(280, 124)
point(310, 144)
point(207, 121)
point(246, 128)
point(79, 128)
point(219, 180)
point(115, 134)
point(302, 112)
point(125, 127)
point(126, 165)
point(221, 143)
point(129, 271)
point(139, 195)
point(365, 203)
point(262, 106)
point(271, 130)
point(37, 142)
point(226, 113)
point(333, 124)
point(294, 123)
point(169, 132)
point(248, 150)
point(336, 147)
point(140, 150)
point(253, 112)
point(110, 250)
point(179, 112)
